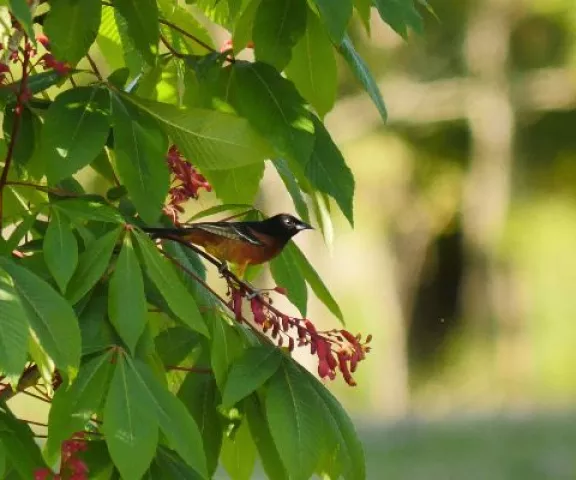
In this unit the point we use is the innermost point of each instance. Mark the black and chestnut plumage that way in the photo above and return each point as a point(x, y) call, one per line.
point(240, 243)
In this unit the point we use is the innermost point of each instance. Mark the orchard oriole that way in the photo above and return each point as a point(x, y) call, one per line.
point(240, 243)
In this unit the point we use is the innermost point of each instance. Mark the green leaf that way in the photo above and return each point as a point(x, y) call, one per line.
point(313, 67)
point(85, 209)
point(97, 332)
point(130, 426)
point(141, 18)
point(292, 412)
point(60, 249)
point(174, 344)
point(126, 299)
point(27, 139)
point(362, 73)
point(21, 10)
point(284, 269)
point(313, 279)
point(293, 188)
point(214, 140)
point(222, 208)
point(75, 130)
point(263, 439)
point(72, 407)
point(200, 395)
point(400, 15)
point(183, 19)
point(328, 172)
point(175, 422)
point(364, 10)
point(236, 185)
point(51, 317)
point(72, 27)
point(249, 373)
point(36, 84)
point(92, 264)
point(278, 25)
point(17, 440)
point(108, 39)
point(140, 148)
point(239, 453)
point(169, 466)
point(345, 445)
point(242, 32)
point(336, 16)
point(272, 105)
point(13, 330)
point(225, 347)
point(162, 274)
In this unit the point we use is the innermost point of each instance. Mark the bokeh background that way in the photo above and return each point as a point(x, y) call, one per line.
point(463, 260)
point(462, 264)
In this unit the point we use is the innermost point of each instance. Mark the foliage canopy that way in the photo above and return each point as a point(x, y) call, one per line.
point(149, 372)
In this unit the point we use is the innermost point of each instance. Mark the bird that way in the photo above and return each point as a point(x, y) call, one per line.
point(240, 243)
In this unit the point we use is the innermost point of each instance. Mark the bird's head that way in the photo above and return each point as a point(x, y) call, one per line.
point(284, 225)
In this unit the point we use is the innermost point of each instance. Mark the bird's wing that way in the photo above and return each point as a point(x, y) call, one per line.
point(232, 230)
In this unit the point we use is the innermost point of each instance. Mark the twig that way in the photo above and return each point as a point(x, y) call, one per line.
point(94, 67)
point(170, 48)
point(33, 422)
point(44, 188)
point(186, 34)
point(15, 128)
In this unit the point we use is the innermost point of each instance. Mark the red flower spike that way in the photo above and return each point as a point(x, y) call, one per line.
point(43, 40)
point(343, 366)
point(237, 304)
point(42, 474)
point(281, 290)
point(290, 344)
point(258, 310)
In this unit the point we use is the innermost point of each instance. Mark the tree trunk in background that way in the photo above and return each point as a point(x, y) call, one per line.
point(486, 194)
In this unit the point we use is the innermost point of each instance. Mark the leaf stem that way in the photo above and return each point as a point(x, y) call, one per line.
point(20, 99)
point(94, 67)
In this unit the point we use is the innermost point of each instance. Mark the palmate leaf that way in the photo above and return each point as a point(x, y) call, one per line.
point(200, 395)
point(336, 16)
point(13, 330)
point(17, 440)
point(249, 373)
point(286, 274)
point(72, 27)
point(162, 274)
point(295, 424)
point(60, 249)
point(140, 149)
point(278, 25)
point(130, 426)
point(92, 264)
point(239, 453)
point(400, 15)
point(176, 423)
point(362, 73)
point(72, 407)
point(75, 130)
point(50, 316)
point(214, 140)
point(313, 67)
point(126, 298)
point(236, 185)
point(141, 17)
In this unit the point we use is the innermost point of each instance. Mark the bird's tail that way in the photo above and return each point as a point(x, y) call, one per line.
point(163, 232)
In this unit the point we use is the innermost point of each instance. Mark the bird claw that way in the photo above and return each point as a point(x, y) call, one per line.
point(223, 268)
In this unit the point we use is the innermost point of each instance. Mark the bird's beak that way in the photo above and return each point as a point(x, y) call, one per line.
point(304, 226)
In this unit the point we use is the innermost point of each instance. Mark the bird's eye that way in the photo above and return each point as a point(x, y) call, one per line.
point(288, 221)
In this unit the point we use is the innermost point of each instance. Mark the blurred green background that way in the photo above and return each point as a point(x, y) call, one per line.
point(463, 261)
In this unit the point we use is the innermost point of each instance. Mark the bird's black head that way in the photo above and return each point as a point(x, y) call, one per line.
point(283, 225)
